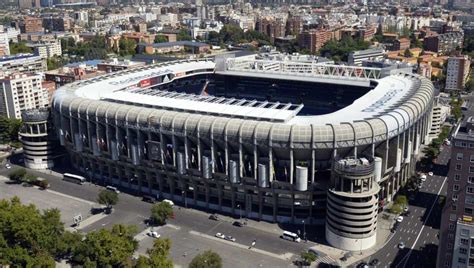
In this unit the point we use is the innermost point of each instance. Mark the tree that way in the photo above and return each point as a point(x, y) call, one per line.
point(127, 47)
point(107, 198)
point(308, 257)
point(184, 35)
point(28, 237)
point(104, 248)
point(9, 129)
point(401, 200)
point(17, 175)
point(20, 47)
point(407, 53)
point(161, 39)
point(208, 259)
point(158, 255)
point(160, 213)
point(469, 87)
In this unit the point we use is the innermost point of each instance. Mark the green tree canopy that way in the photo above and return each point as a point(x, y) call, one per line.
point(342, 48)
point(408, 53)
point(9, 128)
point(17, 175)
point(160, 213)
point(28, 237)
point(127, 47)
point(20, 47)
point(104, 248)
point(184, 35)
point(308, 257)
point(158, 255)
point(107, 198)
point(161, 39)
point(207, 259)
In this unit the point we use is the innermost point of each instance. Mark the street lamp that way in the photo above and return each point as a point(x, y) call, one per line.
point(184, 197)
point(304, 231)
point(240, 212)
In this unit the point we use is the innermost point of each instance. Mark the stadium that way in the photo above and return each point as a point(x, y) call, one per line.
point(280, 141)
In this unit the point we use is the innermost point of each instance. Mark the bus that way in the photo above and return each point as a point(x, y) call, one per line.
point(290, 236)
point(73, 178)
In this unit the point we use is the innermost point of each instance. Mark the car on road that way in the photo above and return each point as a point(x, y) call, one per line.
point(213, 217)
point(399, 219)
point(7, 166)
point(229, 238)
point(220, 235)
point(112, 188)
point(149, 199)
point(374, 262)
point(420, 185)
point(169, 202)
point(423, 177)
point(362, 265)
point(430, 173)
point(238, 224)
point(153, 234)
point(405, 209)
point(401, 245)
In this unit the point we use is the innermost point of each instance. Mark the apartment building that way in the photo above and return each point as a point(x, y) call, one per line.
point(30, 25)
point(457, 225)
point(22, 63)
point(4, 45)
point(457, 72)
point(372, 54)
point(443, 43)
point(20, 92)
point(314, 40)
point(439, 114)
point(47, 49)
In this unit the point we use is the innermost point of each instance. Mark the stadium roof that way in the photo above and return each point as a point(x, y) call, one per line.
point(387, 101)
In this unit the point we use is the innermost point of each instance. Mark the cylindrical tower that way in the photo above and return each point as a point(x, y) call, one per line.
point(352, 205)
point(36, 137)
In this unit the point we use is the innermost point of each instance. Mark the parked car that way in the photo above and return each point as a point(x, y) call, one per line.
point(362, 265)
point(220, 235)
point(169, 202)
point(153, 234)
point(149, 199)
point(399, 219)
point(213, 217)
point(238, 224)
point(430, 173)
point(229, 238)
point(374, 262)
point(401, 245)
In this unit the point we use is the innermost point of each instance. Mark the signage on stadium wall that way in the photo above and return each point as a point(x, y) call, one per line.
point(141, 77)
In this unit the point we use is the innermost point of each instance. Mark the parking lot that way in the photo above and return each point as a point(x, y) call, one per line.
point(44, 199)
point(186, 244)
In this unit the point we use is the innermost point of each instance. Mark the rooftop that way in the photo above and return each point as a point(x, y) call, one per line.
point(177, 43)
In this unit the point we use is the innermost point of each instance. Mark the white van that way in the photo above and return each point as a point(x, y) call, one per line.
point(112, 188)
point(168, 201)
point(291, 236)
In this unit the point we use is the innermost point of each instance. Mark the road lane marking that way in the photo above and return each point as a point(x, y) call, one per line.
point(405, 259)
point(285, 257)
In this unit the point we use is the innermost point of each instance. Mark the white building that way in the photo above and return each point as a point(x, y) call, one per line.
point(81, 17)
point(11, 32)
point(457, 72)
point(373, 54)
point(168, 19)
point(464, 242)
point(438, 116)
point(4, 45)
point(21, 92)
point(47, 49)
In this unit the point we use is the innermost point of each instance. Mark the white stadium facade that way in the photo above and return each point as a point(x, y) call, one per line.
point(280, 141)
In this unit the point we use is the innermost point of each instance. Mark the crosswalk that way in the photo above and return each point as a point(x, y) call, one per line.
point(325, 260)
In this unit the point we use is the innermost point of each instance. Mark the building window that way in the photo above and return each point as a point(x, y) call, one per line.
point(456, 187)
point(463, 144)
point(470, 179)
point(471, 169)
point(469, 212)
point(450, 245)
point(457, 177)
point(471, 145)
point(461, 260)
point(454, 207)
point(462, 250)
point(464, 241)
point(459, 156)
point(451, 227)
point(450, 236)
point(471, 157)
point(455, 197)
point(470, 189)
point(458, 166)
